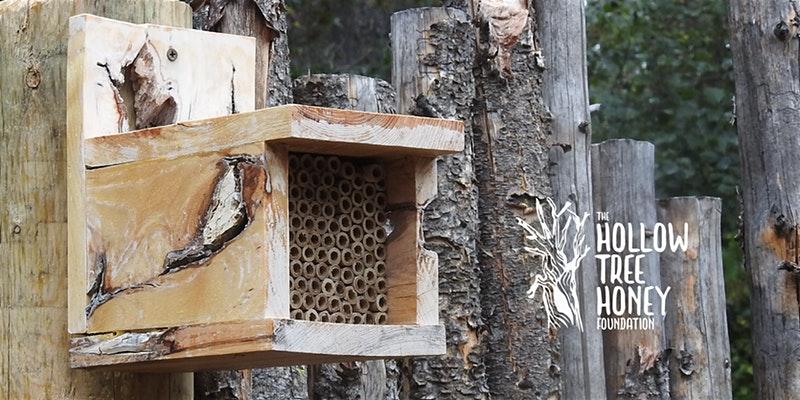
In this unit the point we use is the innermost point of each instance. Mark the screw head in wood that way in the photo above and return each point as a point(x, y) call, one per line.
point(172, 54)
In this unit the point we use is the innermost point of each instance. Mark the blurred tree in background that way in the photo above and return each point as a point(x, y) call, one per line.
point(663, 73)
point(661, 70)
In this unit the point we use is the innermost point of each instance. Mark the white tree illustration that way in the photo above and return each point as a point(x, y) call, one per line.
point(556, 276)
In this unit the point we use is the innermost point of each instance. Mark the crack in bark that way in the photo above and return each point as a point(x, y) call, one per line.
point(227, 216)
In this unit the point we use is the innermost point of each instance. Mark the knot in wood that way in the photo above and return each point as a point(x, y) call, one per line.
point(782, 31)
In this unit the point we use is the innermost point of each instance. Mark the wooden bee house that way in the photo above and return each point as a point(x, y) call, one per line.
point(287, 235)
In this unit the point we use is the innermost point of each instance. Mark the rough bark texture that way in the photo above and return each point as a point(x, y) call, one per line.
point(433, 53)
point(356, 380)
point(561, 26)
point(767, 73)
point(624, 187)
point(266, 21)
point(511, 161)
point(697, 330)
point(33, 235)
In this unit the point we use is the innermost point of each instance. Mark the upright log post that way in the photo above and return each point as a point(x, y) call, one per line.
point(33, 234)
point(565, 89)
point(764, 43)
point(357, 380)
point(624, 186)
point(697, 329)
point(433, 51)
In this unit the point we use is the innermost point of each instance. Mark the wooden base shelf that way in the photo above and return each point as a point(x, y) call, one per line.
point(251, 344)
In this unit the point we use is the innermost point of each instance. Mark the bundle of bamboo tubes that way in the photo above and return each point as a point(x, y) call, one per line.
point(338, 230)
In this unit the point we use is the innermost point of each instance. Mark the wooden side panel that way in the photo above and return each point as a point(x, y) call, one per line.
point(167, 241)
point(277, 232)
point(411, 271)
point(124, 76)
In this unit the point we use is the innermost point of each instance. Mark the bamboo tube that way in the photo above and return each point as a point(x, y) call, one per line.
point(358, 267)
point(328, 240)
point(380, 253)
point(356, 318)
point(322, 194)
point(322, 225)
point(334, 304)
point(359, 284)
point(374, 173)
point(294, 252)
point(296, 222)
point(334, 164)
point(328, 210)
point(369, 190)
point(324, 316)
point(303, 206)
point(309, 271)
point(347, 276)
point(338, 318)
point(297, 314)
point(380, 200)
point(333, 226)
point(350, 295)
point(381, 318)
point(301, 238)
point(356, 233)
point(321, 301)
point(345, 223)
point(309, 193)
point(357, 215)
point(321, 255)
point(294, 162)
point(358, 250)
point(307, 253)
point(307, 161)
point(342, 240)
point(334, 256)
point(370, 276)
point(380, 304)
point(347, 258)
point(369, 260)
point(380, 268)
point(347, 171)
point(328, 180)
point(358, 183)
point(311, 315)
point(315, 180)
point(340, 288)
point(369, 225)
point(328, 286)
point(308, 301)
point(320, 163)
point(369, 319)
point(314, 286)
point(344, 203)
point(371, 294)
point(380, 234)
point(370, 243)
point(296, 301)
point(315, 209)
point(296, 268)
point(380, 284)
point(347, 309)
point(370, 208)
point(309, 223)
point(336, 273)
point(300, 284)
point(362, 305)
point(314, 240)
point(322, 271)
point(380, 217)
point(345, 188)
point(295, 191)
point(357, 198)
point(303, 177)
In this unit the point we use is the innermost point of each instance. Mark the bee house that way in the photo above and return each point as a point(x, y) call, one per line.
point(283, 236)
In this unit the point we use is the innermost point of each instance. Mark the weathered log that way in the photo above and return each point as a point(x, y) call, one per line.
point(764, 43)
point(366, 379)
point(562, 31)
point(697, 329)
point(624, 187)
point(433, 51)
point(33, 237)
point(266, 21)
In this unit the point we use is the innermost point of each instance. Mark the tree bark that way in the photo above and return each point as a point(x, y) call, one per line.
point(562, 30)
point(511, 159)
point(356, 380)
point(33, 235)
point(697, 330)
point(623, 178)
point(433, 53)
point(265, 20)
point(767, 73)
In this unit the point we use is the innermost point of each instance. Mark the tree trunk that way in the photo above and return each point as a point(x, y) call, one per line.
point(433, 53)
point(767, 73)
point(356, 380)
point(624, 187)
point(33, 235)
point(265, 20)
point(566, 94)
point(696, 330)
point(511, 159)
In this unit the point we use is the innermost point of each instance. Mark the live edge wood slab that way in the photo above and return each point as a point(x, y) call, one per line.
point(179, 234)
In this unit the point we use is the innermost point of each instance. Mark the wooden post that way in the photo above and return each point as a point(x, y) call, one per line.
point(265, 21)
point(766, 67)
point(432, 52)
point(565, 91)
point(624, 187)
point(33, 234)
point(367, 379)
point(696, 329)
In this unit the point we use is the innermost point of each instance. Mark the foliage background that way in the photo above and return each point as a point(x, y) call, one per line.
point(661, 70)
